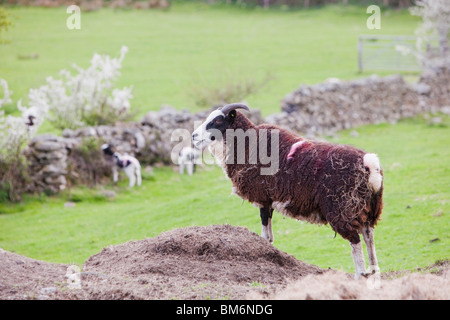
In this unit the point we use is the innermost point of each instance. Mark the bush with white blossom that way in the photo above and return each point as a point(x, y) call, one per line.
point(15, 131)
point(435, 16)
point(85, 98)
point(14, 134)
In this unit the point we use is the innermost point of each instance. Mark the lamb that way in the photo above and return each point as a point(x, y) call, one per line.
point(129, 164)
point(320, 182)
point(188, 157)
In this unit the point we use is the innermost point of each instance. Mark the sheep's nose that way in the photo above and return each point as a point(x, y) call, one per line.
point(194, 135)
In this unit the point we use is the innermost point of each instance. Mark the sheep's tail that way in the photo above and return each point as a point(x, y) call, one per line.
point(372, 163)
point(376, 207)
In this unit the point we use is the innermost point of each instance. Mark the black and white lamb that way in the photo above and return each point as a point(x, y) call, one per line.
point(320, 182)
point(129, 164)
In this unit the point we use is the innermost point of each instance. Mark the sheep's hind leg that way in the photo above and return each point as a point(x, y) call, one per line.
point(138, 176)
point(370, 244)
point(358, 259)
point(266, 222)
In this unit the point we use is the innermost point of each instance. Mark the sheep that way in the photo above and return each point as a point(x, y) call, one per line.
point(188, 157)
point(320, 182)
point(129, 164)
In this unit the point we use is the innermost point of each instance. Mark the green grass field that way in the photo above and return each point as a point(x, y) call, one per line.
point(171, 53)
point(413, 231)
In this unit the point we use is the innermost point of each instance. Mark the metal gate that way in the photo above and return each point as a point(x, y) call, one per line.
point(386, 52)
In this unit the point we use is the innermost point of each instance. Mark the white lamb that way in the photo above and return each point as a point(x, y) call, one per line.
point(188, 158)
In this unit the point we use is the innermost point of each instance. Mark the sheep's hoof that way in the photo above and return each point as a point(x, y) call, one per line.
point(359, 275)
point(268, 239)
point(367, 275)
point(373, 270)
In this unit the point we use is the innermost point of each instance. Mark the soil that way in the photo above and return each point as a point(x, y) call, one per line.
point(211, 262)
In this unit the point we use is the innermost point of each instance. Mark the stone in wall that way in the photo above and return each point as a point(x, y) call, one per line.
point(436, 86)
point(47, 158)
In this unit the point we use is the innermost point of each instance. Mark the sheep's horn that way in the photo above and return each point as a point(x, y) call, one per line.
point(227, 108)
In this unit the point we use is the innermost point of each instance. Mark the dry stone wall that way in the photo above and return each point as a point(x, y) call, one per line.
point(335, 105)
point(76, 157)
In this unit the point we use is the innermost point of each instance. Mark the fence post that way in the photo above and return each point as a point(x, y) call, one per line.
point(360, 51)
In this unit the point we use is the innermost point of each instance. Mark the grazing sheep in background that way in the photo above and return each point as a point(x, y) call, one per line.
point(128, 163)
point(319, 182)
point(187, 159)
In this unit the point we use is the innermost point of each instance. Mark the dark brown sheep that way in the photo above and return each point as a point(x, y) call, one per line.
point(319, 182)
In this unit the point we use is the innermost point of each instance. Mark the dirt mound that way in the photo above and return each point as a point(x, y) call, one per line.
point(25, 278)
point(210, 262)
point(193, 263)
point(213, 262)
point(334, 285)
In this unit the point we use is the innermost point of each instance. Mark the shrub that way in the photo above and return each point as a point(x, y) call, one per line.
point(230, 88)
point(86, 98)
point(14, 134)
point(5, 22)
point(14, 179)
point(87, 163)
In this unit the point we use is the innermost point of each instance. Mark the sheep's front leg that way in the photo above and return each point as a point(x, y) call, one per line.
point(181, 167)
point(190, 168)
point(266, 222)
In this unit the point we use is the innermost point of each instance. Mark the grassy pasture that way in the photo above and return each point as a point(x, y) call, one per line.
point(172, 53)
point(195, 46)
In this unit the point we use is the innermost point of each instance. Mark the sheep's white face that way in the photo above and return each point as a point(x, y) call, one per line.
point(210, 131)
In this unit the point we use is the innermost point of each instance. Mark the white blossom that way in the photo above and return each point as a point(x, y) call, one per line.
point(436, 25)
point(6, 93)
point(120, 100)
point(85, 98)
point(15, 131)
point(69, 102)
